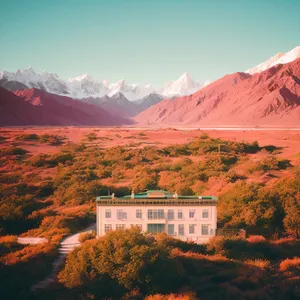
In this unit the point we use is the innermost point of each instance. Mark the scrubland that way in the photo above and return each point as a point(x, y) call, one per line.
point(50, 178)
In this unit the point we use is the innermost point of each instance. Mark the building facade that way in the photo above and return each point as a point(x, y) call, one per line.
point(188, 218)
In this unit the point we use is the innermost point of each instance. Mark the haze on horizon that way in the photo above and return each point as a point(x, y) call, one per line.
point(145, 41)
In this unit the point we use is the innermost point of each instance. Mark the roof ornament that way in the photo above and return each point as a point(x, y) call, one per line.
point(132, 194)
point(113, 196)
point(175, 195)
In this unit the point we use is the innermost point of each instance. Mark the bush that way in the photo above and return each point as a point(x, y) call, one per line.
point(51, 139)
point(128, 257)
point(256, 239)
point(185, 296)
point(260, 263)
point(11, 150)
point(27, 137)
point(92, 136)
point(85, 236)
point(290, 265)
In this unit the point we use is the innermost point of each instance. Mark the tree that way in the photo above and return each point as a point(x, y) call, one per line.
point(129, 257)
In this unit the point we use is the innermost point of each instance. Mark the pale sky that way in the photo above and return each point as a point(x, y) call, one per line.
point(145, 41)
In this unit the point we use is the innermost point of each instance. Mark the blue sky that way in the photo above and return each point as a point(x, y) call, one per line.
point(146, 41)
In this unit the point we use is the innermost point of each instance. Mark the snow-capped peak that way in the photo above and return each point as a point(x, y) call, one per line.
point(184, 85)
point(105, 83)
point(279, 58)
point(26, 72)
point(185, 77)
point(86, 77)
point(85, 86)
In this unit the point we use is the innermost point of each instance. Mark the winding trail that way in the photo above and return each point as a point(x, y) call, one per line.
point(66, 245)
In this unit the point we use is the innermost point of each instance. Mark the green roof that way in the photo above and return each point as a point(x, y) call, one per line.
point(155, 194)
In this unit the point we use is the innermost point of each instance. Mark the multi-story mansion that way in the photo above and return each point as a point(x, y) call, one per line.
point(189, 218)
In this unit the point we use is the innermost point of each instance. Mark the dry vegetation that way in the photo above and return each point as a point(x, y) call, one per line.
point(49, 182)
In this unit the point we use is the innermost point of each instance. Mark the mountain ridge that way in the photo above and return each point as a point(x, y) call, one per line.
point(37, 107)
point(270, 97)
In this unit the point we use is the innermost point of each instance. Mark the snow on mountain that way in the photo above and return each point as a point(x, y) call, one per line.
point(85, 86)
point(279, 58)
point(28, 78)
point(184, 85)
point(131, 92)
point(270, 98)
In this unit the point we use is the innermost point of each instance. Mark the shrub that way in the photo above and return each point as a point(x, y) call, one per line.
point(11, 150)
point(27, 137)
point(216, 245)
point(256, 239)
point(85, 236)
point(51, 139)
point(290, 265)
point(8, 240)
point(272, 163)
point(260, 263)
point(92, 136)
point(185, 296)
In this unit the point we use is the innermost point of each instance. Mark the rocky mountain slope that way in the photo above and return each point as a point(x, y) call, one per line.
point(269, 98)
point(37, 107)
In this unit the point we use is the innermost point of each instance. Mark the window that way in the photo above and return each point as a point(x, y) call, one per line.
point(150, 214)
point(181, 229)
point(156, 228)
point(120, 226)
point(180, 214)
point(154, 214)
point(192, 213)
point(170, 229)
point(107, 213)
point(205, 213)
point(107, 227)
point(205, 229)
point(138, 213)
point(160, 214)
point(170, 214)
point(192, 228)
point(121, 214)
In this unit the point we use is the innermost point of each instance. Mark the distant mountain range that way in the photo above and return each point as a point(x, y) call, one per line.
point(267, 94)
point(85, 86)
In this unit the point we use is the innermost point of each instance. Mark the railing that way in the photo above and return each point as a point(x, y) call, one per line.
point(160, 202)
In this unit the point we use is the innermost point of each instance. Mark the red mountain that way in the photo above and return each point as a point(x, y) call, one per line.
point(37, 107)
point(268, 98)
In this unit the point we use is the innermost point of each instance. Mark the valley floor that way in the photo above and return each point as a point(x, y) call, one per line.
point(287, 138)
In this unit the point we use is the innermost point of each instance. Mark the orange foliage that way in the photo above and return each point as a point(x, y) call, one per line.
point(290, 265)
point(8, 239)
point(188, 296)
point(256, 239)
point(28, 252)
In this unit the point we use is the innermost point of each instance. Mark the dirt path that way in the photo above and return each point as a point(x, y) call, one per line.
point(66, 245)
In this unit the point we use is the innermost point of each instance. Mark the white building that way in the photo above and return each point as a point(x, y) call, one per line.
point(189, 218)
